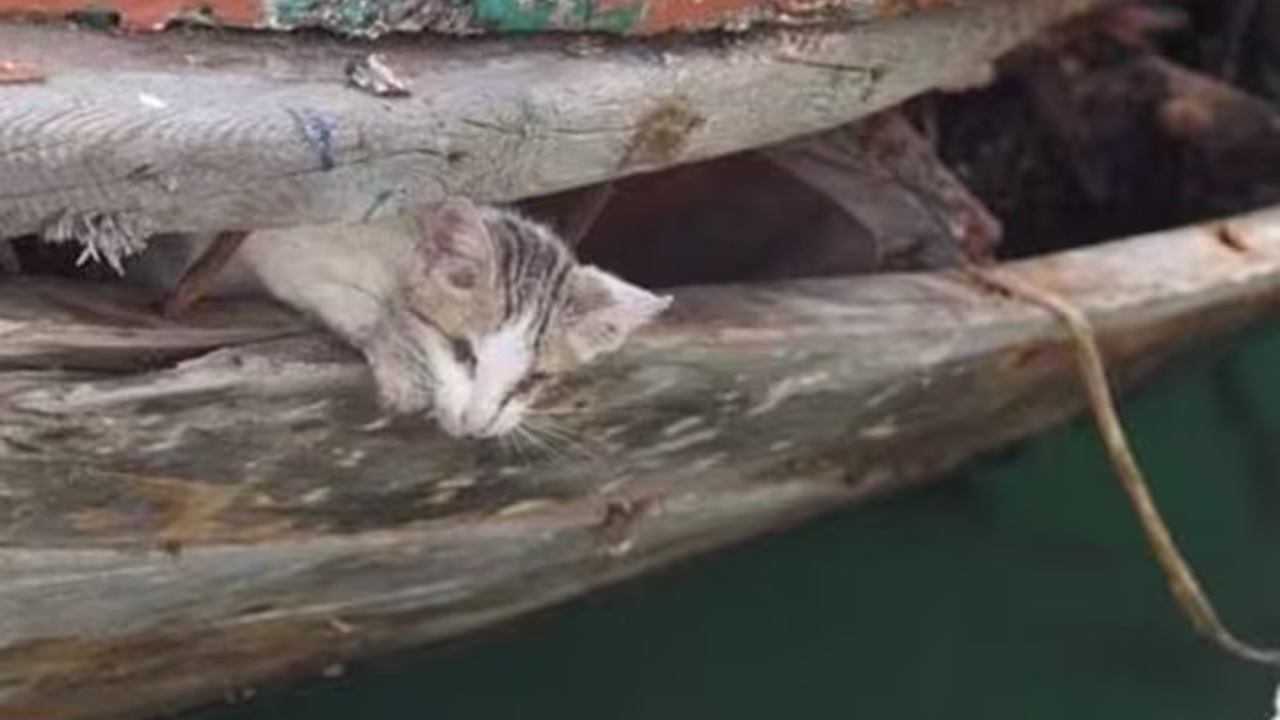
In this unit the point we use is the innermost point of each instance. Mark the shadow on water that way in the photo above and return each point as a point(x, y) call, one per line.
point(1019, 589)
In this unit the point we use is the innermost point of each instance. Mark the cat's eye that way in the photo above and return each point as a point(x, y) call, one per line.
point(462, 352)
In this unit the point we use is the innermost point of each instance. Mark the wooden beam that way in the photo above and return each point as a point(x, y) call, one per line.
point(243, 515)
point(202, 132)
point(886, 175)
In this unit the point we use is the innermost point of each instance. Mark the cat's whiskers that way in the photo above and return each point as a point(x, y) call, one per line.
point(556, 413)
point(511, 443)
point(567, 442)
point(538, 442)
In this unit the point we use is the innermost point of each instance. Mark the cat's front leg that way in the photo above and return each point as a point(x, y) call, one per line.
point(402, 387)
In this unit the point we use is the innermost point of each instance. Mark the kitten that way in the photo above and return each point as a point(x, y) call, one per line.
point(460, 310)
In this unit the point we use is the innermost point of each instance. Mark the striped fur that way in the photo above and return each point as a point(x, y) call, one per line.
point(461, 311)
point(533, 313)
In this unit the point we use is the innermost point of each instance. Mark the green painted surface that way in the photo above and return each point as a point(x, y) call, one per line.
point(615, 20)
point(1017, 590)
point(372, 17)
point(97, 16)
point(516, 16)
point(346, 16)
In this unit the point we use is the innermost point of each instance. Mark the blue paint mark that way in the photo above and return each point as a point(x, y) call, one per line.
point(317, 129)
point(378, 201)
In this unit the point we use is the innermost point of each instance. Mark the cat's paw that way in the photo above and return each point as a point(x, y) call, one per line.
point(399, 393)
point(402, 388)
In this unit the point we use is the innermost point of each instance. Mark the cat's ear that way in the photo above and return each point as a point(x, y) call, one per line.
point(454, 244)
point(602, 311)
point(454, 228)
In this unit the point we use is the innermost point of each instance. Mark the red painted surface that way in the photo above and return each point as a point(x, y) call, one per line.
point(142, 14)
point(17, 73)
point(663, 15)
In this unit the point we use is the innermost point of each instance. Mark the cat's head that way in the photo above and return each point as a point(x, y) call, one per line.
point(496, 306)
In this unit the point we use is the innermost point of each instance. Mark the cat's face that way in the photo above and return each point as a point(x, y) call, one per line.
point(498, 306)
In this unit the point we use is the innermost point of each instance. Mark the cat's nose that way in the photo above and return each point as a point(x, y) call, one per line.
point(452, 423)
point(464, 425)
point(478, 420)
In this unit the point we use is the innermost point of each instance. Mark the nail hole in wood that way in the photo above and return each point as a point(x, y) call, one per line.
point(1230, 239)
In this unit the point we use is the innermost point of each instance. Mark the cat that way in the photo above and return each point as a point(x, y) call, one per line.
point(462, 311)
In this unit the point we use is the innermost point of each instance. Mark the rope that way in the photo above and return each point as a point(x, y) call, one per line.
point(1181, 580)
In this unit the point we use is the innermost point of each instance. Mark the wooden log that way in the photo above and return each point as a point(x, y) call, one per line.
point(203, 132)
point(169, 534)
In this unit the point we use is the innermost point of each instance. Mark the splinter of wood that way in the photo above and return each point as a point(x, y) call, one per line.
point(1179, 576)
point(197, 279)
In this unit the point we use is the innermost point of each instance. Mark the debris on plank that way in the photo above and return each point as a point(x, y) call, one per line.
point(14, 72)
point(373, 75)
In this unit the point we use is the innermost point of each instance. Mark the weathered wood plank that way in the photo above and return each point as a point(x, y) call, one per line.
point(188, 132)
point(169, 534)
point(106, 328)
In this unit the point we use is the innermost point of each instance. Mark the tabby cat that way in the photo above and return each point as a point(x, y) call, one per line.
point(462, 311)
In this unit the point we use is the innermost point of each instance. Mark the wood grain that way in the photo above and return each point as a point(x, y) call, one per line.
point(203, 132)
point(172, 530)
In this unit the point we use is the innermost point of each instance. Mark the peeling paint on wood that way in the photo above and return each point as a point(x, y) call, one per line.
point(372, 18)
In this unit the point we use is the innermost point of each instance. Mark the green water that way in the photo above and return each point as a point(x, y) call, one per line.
point(1018, 589)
